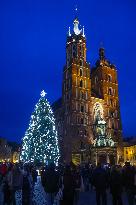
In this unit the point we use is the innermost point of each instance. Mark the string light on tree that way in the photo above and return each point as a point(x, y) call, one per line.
point(40, 143)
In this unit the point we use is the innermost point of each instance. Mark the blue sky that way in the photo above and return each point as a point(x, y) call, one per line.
point(32, 54)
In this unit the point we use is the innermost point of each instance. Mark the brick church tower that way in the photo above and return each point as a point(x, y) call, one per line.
point(85, 92)
point(76, 93)
point(105, 84)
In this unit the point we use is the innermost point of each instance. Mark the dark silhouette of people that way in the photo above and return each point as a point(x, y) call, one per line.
point(50, 181)
point(100, 182)
point(128, 180)
point(116, 186)
point(69, 183)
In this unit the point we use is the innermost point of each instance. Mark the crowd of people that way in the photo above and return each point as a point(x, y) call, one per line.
point(16, 182)
point(63, 184)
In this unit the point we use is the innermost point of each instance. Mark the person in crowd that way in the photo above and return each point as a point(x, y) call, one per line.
point(128, 181)
point(78, 184)
point(27, 188)
point(34, 174)
point(91, 168)
point(7, 188)
point(3, 169)
point(16, 182)
point(100, 182)
point(116, 186)
point(69, 183)
point(51, 182)
point(1, 190)
point(85, 175)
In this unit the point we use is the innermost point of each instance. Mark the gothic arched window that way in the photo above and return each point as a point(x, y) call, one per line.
point(81, 72)
point(109, 78)
point(74, 51)
point(81, 83)
point(96, 79)
point(82, 108)
point(81, 95)
point(111, 102)
point(81, 63)
point(82, 121)
point(110, 91)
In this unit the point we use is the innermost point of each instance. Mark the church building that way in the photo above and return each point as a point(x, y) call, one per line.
point(88, 113)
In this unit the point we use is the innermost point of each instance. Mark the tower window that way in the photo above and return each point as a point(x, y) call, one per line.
point(85, 133)
point(109, 78)
point(82, 121)
point(66, 74)
point(113, 125)
point(111, 102)
point(109, 123)
point(110, 91)
point(80, 47)
point(76, 93)
point(82, 108)
point(86, 95)
point(99, 91)
point(117, 125)
point(81, 63)
point(81, 72)
point(81, 83)
point(96, 79)
point(67, 96)
point(74, 51)
point(85, 83)
point(81, 95)
point(69, 83)
point(86, 107)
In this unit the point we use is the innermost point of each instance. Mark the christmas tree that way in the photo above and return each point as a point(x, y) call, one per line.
point(40, 143)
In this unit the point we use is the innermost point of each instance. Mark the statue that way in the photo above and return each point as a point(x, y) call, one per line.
point(102, 139)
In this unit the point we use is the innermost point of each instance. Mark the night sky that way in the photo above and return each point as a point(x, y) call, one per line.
point(32, 54)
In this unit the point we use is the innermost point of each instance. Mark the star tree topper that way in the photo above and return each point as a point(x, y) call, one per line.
point(43, 93)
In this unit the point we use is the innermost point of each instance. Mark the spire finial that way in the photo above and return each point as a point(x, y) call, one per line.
point(83, 32)
point(102, 53)
point(69, 33)
point(76, 10)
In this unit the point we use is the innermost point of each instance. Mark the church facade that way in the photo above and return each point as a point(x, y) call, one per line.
point(89, 106)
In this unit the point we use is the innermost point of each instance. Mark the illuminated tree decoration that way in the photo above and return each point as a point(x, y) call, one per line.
point(40, 143)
